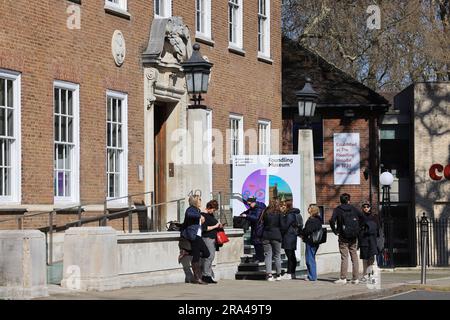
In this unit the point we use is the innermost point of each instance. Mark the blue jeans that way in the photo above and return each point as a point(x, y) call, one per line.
point(310, 256)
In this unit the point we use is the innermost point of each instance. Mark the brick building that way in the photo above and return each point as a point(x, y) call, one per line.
point(344, 106)
point(91, 93)
point(415, 140)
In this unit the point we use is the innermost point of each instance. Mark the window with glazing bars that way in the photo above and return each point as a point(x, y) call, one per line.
point(7, 137)
point(114, 146)
point(163, 8)
point(233, 11)
point(235, 136)
point(122, 4)
point(64, 142)
point(263, 136)
point(262, 21)
point(200, 11)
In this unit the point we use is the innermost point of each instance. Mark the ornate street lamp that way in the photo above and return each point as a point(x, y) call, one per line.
point(387, 225)
point(197, 71)
point(307, 101)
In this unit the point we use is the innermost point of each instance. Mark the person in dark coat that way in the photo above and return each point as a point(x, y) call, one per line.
point(272, 239)
point(253, 215)
point(209, 233)
point(191, 230)
point(313, 224)
point(368, 240)
point(289, 231)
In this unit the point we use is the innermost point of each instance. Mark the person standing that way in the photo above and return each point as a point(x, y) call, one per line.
point(367, 241)
point(253, 215)
point(209, 233)
point(346, 222)
point(291, 223)
point(272, 239)
point(313, 224)
point(191, 230)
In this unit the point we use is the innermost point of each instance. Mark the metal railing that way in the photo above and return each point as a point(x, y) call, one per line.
point(407, 238)
point(225, 212)
point(151, 223)
point(437, 236)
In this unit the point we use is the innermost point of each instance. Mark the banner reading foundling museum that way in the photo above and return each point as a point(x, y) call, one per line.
point(346, 158)
point(265, 177)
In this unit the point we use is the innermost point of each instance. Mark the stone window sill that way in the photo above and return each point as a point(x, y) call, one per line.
point(264, 58)
point(236, 50)
point(204, 39)
point(117, 11)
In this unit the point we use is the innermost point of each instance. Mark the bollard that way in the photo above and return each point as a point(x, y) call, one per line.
point(424, 241)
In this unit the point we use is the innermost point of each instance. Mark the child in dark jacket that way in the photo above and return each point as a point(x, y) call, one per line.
point(313, 224)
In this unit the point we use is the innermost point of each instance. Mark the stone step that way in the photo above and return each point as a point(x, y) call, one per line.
point(258, 275)
point(260, 266)
point(248, 257)
point(253, 275)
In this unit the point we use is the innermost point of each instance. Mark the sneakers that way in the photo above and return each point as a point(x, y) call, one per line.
point(364, 279)
point(355, 281)
point(286, 276)
point(208, 279)
point(278, 278)
point(372, 280)
point(306, 278)
point(341, 281)
point(269, 277)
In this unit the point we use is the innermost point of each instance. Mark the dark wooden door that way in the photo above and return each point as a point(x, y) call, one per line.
point(162, 112)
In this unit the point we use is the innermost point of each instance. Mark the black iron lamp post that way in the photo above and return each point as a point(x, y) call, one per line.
point(307, 101)
point(424, 247)
point(197, 71)
point(386, 180)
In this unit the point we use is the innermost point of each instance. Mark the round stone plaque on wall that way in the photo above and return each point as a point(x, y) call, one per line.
point(118, 47)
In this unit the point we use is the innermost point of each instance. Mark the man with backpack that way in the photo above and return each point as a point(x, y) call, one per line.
point(349, 221)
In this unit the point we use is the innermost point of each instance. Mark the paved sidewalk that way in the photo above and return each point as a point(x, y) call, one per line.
point(391, 283)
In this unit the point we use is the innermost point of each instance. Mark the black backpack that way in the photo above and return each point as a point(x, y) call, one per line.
point(298, 222)
point(350, 225)
point(241, 223)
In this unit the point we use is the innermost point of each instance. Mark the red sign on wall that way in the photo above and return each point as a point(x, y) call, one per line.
point(436, 171)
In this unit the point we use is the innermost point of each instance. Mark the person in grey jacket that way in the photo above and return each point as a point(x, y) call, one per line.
point(272, 239)
point(290, 230)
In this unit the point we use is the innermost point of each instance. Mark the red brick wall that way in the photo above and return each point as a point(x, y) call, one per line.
point(36, 42)
point(327, 193)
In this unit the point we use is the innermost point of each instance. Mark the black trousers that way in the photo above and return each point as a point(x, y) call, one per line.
point(259, 252)
point(292, 260)
point(199, 247)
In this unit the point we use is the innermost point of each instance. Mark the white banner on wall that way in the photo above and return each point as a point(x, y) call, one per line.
point(265, 177)
point(346, 158)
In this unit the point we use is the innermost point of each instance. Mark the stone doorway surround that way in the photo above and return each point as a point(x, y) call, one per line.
point(169, 45)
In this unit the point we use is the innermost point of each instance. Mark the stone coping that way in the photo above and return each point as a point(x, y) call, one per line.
point(90, 230)
point(8, 234)
point(165, 235)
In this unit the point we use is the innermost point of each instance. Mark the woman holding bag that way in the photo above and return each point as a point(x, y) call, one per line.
point(192, 231)
point(210, 228)
point(313, 224)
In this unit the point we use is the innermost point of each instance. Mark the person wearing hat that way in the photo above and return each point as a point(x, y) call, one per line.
point(253, 215)
point(368, 240)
